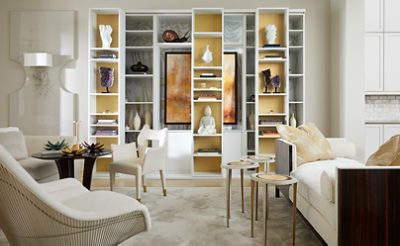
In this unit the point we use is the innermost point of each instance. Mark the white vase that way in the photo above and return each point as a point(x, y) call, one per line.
point(251, 121)
point(147, 119)
point(105, 35)
point(130, 119)
point(207, 56)
point(292, 121)
point(136, 122)
point(270, 34)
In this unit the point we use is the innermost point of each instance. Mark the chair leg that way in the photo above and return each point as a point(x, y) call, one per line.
point(138, 184)
point(112, 180)
point(144, 184)
point(163, 182)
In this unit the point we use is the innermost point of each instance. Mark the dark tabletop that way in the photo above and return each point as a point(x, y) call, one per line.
point(71, 156)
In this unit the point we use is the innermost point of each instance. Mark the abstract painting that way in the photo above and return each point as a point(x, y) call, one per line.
point(230, 88)
point(178, 87)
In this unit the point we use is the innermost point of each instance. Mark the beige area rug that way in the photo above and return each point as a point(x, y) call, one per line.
point(196, 217)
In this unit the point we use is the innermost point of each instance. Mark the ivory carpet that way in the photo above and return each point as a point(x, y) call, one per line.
point(196, 217)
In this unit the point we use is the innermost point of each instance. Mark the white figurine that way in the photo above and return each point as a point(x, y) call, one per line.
point(105, 34)
point(207, 123)
point(270, 34)
point(207, 56)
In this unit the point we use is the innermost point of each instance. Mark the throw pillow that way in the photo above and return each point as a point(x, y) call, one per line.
point(310, 143)
point(388, 153)
point(14, 143)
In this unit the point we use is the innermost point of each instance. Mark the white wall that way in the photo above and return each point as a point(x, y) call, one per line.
point(347, 71)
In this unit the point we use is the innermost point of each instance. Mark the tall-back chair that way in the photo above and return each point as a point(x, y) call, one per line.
point(63, 212)
point(152, 149)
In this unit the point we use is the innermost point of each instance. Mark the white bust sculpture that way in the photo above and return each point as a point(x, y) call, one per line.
point(105, 34)
point(207, 123)
point(270, 34)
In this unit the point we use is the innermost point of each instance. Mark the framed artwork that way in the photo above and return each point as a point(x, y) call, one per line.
point(230, 88)
point(178, 73)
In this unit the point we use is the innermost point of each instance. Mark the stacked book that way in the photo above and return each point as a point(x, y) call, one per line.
point(106, 132)
point(107, 122)
point(207, 75)
point(208, 151)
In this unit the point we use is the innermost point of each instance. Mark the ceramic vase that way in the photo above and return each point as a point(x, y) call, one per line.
point(270, 34)
point(207, 56)
point(251, 121)
point(292, 121)
point(136, 122)
point(130, 119)
point(147, 119)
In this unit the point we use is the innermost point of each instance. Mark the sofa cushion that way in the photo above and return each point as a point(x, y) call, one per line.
point(388, 153)
point(39, 169)
point(309, 183)
point(310, 143)
point(14, 143)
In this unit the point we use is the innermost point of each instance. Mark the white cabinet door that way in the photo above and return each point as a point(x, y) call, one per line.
point(373, 139)
point(373, 62)
point(389, 131)
point(392, 16)
point(232, 145)
point(373, 16)
point(179, 151)
point(391, 61)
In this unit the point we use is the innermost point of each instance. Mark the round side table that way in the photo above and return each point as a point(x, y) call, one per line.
point(240, 165)
point(265, 159)
point(273, 179)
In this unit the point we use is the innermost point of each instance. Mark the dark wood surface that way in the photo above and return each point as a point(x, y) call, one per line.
point(368, 207)
point(283, 164)
point(65, 164)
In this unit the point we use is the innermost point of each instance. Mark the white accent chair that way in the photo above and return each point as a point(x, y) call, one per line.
point(150, 159)
point(22, 147)
point(63, 212)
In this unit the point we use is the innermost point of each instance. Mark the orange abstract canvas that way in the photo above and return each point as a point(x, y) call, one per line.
point(230, 111)
point(177, 87)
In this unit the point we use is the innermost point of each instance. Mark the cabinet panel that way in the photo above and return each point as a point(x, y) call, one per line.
point(373, 139)
point(389, 131)
point(392, 17)
point(391, 59)
point(373, 15)
point(373, 62)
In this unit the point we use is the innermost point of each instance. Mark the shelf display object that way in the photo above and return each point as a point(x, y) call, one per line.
point(104, 80)
point(272, 57)
point(207, 90)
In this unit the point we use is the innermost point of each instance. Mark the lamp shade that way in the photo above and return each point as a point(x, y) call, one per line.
point(38, 60)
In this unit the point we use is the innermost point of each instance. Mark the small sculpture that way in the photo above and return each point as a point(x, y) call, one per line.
point(93, 147)
point(105, 34)
point(276, 82)
point(267, 79)
point(106, 77)
point(270, 34)
point(207, 123)
point(207, 56)
point(171, 36)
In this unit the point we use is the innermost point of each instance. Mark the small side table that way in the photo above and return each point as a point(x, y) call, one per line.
point(272, 179)
point(240, 165)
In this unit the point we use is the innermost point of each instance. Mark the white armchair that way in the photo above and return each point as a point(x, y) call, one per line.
point(150, 159)
point(63, 212)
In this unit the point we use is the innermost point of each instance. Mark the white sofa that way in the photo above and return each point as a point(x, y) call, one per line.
point(345, 202)
point(22, 147)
